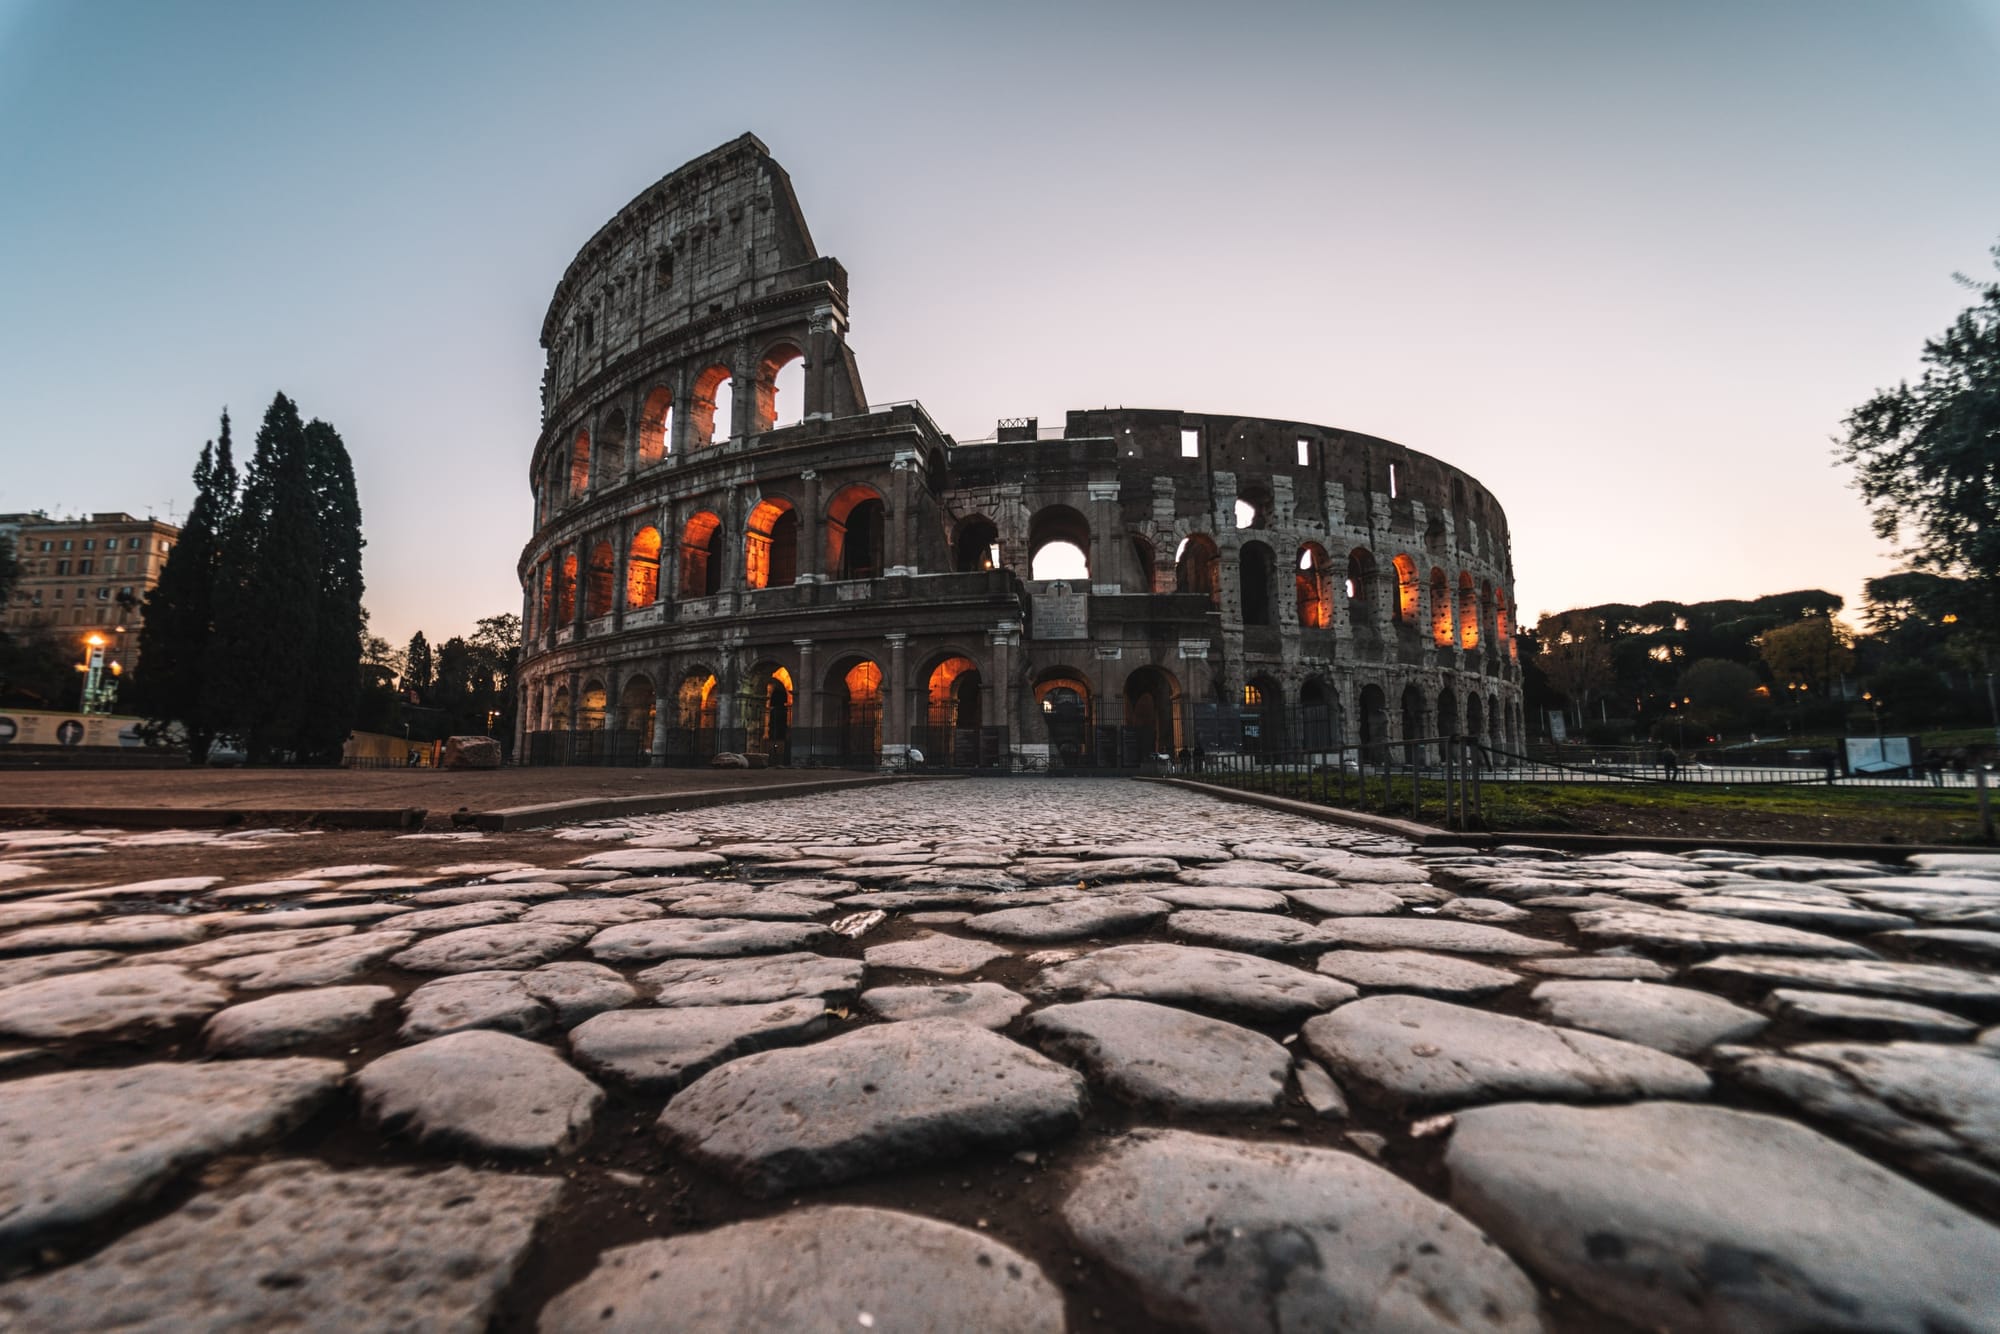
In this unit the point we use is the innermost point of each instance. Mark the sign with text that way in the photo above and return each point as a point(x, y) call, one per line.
point(68, 729)
point(1061, 612)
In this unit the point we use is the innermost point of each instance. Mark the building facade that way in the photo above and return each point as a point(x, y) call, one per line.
point(734, 551)
point(86, 576)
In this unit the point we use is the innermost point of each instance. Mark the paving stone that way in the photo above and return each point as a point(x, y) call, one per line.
point(564, 877)
point(1606, 966)
point(1423, 1054)
point(311, 965)
point(937, 918)
point(489, 913)
point(1493, 912)
point(817, 1268)
point(39, 914)
point(531, 891)
point(1745, 1222)
point(574, 990)
point(301, 919)
point(1868, 1016)
point(236, 945)
point(1442, 975)
point(1255, 875)
point(1419, 933)
point(171, 887)
point(1701, 933)
point(1958, 863)
point(950, 956)
point(478, 948)
point(652, 859)
point(1224, 1235)
point(899, 900)
point(1975, 993)
point(754, 852)
point(459, 1004)
point(666, 838)
point(1180, 850)
point(592, 912)
point(758, 981)
point(294, 1244)
point(1105, 915)
point(1158, 1056)
point(1675, 1020)
point(1316, 1086)
point(107, 1000)
point(32, 967)
point(1936, 1106)
point(1794, 912)
point(715, 937)
point(1980, 946)
point(958, 877)
point(1094, 872)
point(987, 1004)
point(82, 1145)
point(808, 886)
point(485, 1092)
point(757, 905)
point(870, 1100)
point(136, 932)
point(1223, 982)
point(1216, 896)
point(1253, 932)
point(659, 1051)
point(1367, 870)
point(294, 1019)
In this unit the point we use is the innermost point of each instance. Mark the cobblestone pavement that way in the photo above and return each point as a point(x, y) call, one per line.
point(1013, 1055)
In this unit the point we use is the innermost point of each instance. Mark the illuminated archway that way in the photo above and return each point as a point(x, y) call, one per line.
point(1310, 585)
point(711, 407)
point(656, 424)
point(857, 693)
point(975, 545)
point(1361, 588)
point(1197, 568)
point(642, 569)
point(953, 695)
point(701, 556)
point(694, 702)
point(1059, 544)
point(1409, 594)
point(590, 707)
point(1152, 710)
point(771, 545)
point(637, 704)
point(767, 711)
point(1468, 612)
point(781, 384)
point(579, 464)
point(856, 525)
point(598, 590)
point(566, 590)
point(1441, 623)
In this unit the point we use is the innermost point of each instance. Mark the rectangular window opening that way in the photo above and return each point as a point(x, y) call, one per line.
point(1392, 481)
point(1190, 443)
point(1305, 451)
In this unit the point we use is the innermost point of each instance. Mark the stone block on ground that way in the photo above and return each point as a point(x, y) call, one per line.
point(1224, 982)
point(660, 1051)
point(1161, 1057)
point(108, 1000)
point(293, 1019)
point(1676, 1020)
point(987, 1004)
point(486, 1092)
point(471, 752)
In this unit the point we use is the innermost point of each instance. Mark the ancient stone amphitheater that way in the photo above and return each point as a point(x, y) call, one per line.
point(734, 551)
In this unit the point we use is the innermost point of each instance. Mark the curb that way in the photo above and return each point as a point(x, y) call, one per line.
point(603, 808)
point(1421, 834)
point(215, 817)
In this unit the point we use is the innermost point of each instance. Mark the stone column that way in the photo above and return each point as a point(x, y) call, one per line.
point(743, 400)
point(665, 700)
point(901, 487)
point(621, 553)
point(819, 365)
point(812, 549)
point(1107, 539)
point(805, 704)
point(896, 696)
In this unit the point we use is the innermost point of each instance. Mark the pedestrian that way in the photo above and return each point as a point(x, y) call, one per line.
point(1670, 760)
point(1200, 757)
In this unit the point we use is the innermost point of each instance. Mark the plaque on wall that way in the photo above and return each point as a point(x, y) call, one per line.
point(1062, 612)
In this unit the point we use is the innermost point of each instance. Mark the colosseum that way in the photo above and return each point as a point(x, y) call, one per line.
point(734, 551)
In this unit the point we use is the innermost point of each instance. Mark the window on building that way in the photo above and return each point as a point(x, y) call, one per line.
point(59, 594)
point(62, 566)
point(104, 593)
point(1190, 443)
point(48, 546)
point(1392, 481)
point(83, 565)
point(1305, 451)
point(1253, 695)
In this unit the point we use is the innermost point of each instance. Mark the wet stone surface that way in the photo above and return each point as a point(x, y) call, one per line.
point(1027, 1055)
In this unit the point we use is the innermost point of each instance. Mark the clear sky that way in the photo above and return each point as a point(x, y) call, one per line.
point(1628, 262)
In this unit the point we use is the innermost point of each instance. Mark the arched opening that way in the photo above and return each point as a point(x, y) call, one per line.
point(1468, 612)
point(566, 590)
point(1256, 567)
point(771, 546)
point(711, 407)
point(642, 569)
point(637, 703)
point(701, 556)
point(610, 461)
point(656, 426)
point(1262, 715)
point(1487, 615)
point(1246, 513)
point(1475, 713)
point(590, 707)
point(694, 702)
point(1503, 627)
point(953, 695)
point(767, 712)
point(1441, 629)
point(1447, 716)
point(1409, 593)
point(1317, 730)
point(975, 545)
point(1361, 588)
point(856, 523)
point(599, 589)
point(1058, 544)
point(1152, 715)
point(579, 464)
point(1197, 568)
point(559, 713)
point(1311, 586)
point(1062, 696)
point(1413, 721)
point(857, 691)
point(781, 389)
point(1139, 569)
point(548, 597)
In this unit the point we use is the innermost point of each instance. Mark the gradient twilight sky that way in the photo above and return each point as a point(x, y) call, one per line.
point(1628, 262)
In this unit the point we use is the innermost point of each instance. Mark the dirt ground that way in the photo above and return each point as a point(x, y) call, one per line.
point(437, 791)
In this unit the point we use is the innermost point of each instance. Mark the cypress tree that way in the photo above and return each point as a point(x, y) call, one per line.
point(332, 686)
point(268, 595)
point(175, 638)
point(417, 672)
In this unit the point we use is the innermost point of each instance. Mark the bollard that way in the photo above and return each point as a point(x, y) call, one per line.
point(1985, 805)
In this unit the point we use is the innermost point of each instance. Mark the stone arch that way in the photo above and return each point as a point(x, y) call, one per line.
point(1263, 714)
point(1487, 620)
point(975, 544)
point(854, 692)
point(1256, 571)
point(771, 544)
point(709, 407)
point(1058, 544)
point(954, 692)
point(1447, 712)
point(1319, 724)
point(701, 556)
point(1468, 611)
point(566, 590)
point(610, 449)
point(599, 591)
point(1064, 702)
point(766, 705)
point(856, 528)
point(579, 463)
point(656, 426)
point(695, 701)
point(1198, 568)
point(638, 704)
point(1311, 587)
point(548, 617)
point(1361, 587)
point(780, 398)
point(1139, 568)
point(1409, 593)
point(591, 706)
point(1153, 710)
point(1475, 717)
point(1374, 724)
point(559, 710)
point(1441, 623)
point(1412, 720)
point(642, 569)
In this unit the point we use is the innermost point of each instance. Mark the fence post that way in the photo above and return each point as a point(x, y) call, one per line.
point(1478, 794)
point(1985, 804)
